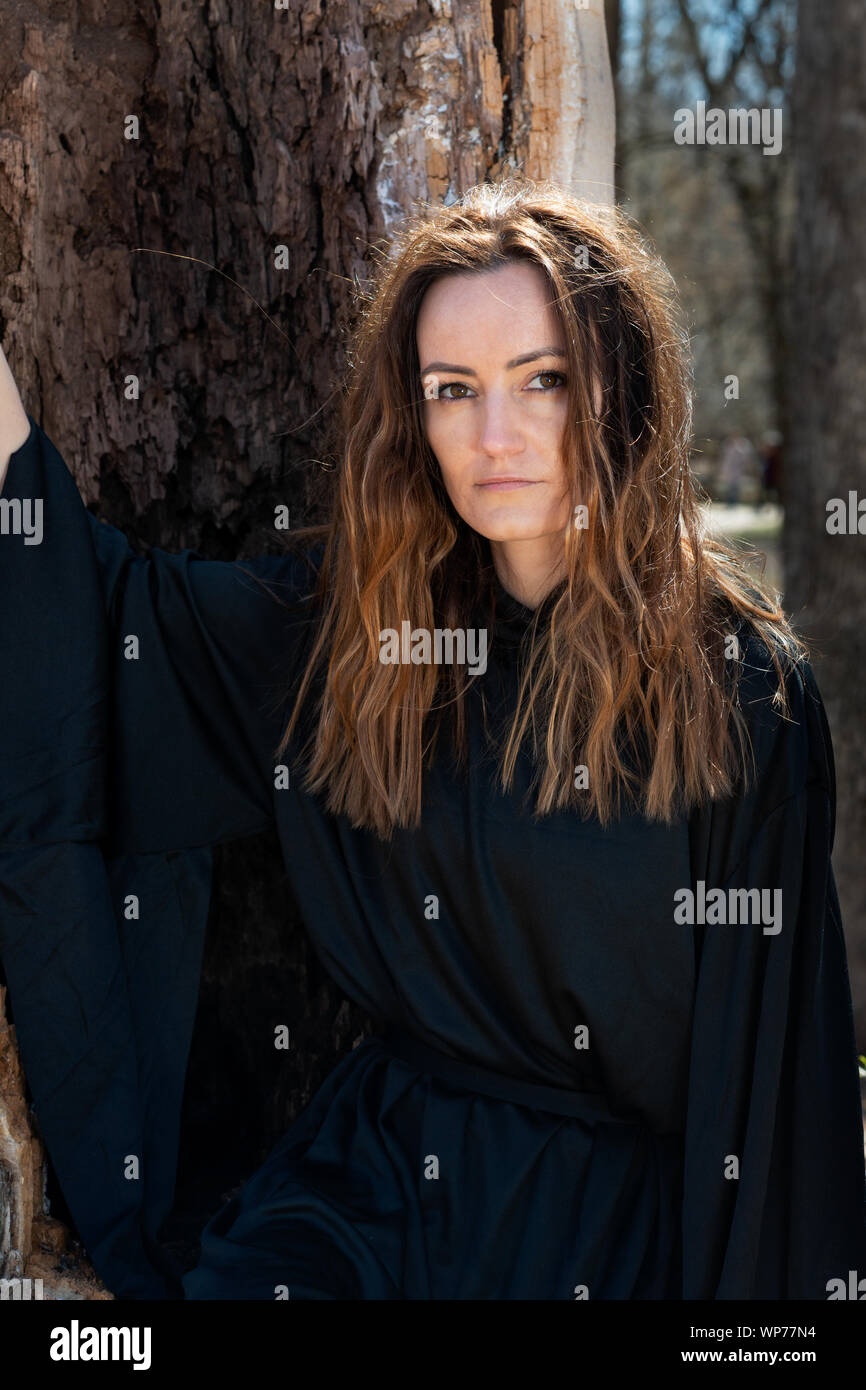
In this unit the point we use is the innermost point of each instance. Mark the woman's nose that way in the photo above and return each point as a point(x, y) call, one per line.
point(498, 424)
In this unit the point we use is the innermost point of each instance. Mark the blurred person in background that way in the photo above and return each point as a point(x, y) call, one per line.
point(771, 467)
point(738, 460)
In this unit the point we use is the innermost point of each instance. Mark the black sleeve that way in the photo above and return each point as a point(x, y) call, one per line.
point(116, 777)
point(185, 673)
point(774, 1191)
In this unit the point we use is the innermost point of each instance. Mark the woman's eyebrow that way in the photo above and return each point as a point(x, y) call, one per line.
point(515, 362)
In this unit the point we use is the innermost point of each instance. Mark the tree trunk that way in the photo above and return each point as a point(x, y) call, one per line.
point(32, 1245)
point(190, 395)
point(825, 575)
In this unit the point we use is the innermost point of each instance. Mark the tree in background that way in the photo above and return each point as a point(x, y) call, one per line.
point(826, 573)
point(722, 215)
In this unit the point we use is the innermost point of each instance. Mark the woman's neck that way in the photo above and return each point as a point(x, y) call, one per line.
point(528, 570)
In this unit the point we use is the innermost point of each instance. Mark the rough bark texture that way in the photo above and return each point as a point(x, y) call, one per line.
point(32, 1244)
point(313, 127)
point(825, 574)
point(560, 118)
point(20, 1159)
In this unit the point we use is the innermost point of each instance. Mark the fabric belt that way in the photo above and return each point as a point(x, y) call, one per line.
point(468, 1076)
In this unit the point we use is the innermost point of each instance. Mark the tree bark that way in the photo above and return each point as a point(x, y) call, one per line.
point(33, 1245)
point(613, 26)
point(152, 164)
point(825, 576)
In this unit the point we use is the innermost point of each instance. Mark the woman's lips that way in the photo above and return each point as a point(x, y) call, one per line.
point(505, 484)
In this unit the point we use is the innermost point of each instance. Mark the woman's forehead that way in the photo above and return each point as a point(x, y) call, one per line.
point(491, 310)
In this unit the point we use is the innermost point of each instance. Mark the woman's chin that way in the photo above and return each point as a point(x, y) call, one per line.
point(513, 529)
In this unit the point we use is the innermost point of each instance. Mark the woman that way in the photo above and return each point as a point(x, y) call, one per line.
point(584, 883)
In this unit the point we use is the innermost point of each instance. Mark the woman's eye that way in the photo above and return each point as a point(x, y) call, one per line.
point(560, 380)
point(461, 385)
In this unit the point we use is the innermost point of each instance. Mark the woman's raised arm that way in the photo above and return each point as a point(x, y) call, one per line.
point(157, 677)
point(134, 734)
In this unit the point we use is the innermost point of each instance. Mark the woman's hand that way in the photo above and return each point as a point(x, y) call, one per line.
point(14, 425)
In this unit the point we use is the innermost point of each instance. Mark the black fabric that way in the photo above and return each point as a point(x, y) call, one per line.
point(432, 1167)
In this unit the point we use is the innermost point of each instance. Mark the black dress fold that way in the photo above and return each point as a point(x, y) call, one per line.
point(773, 1074)
point(567, 1069)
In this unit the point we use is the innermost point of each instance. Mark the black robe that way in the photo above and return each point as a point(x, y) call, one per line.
point(577, 1093)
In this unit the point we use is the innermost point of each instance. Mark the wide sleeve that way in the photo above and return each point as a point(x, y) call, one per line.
point(774, 1196)
point(139, 707)
point(185, 673)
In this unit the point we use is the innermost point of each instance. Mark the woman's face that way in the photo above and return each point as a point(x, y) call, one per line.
point(492, 371)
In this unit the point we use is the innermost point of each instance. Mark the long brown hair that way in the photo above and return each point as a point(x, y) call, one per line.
point(634, 642)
